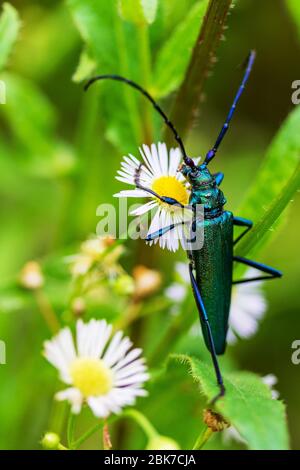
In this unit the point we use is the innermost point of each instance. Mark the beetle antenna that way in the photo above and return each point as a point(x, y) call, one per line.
point(211, 154)
point(188, 161)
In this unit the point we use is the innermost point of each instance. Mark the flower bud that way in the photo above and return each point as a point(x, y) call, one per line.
point(147, 281)
point(50, 441)
point(78, 306)
point(31, 276)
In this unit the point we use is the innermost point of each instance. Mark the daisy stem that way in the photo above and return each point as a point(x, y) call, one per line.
point(86, 435)
point(202, 439)
point(142, 421)
point(70, 430)
point(47, 311)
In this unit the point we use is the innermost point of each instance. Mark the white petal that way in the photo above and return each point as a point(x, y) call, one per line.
point(144, 208)
point(174, 160)
point(132, 193)
point(138, 378)
point(73, 396)
point(98, 407)
point(60, 352)
point(92, 337)
point(117, 349)
point(130, 357)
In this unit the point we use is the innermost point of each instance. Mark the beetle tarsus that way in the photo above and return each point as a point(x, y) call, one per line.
point(219, 395)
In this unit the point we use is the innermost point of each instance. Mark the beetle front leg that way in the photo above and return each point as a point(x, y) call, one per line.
point(203, 314)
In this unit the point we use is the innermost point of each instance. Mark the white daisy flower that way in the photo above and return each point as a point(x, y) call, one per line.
point(158, 172)
point(270, 380)
point(248, 304)
point(102, 372)
point(248, 307)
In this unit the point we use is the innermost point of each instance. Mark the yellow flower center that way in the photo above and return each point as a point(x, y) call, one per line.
point(91, 376)
point(169, 186)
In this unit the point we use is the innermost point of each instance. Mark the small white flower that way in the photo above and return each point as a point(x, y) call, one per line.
point(100, 371)
point(270, 380)
point(248, 306)
point(158, 172)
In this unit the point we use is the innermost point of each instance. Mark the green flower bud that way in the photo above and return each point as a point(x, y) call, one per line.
point(50, 441)
point(124, 285)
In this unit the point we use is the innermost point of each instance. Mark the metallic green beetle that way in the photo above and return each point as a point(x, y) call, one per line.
point(211, 265)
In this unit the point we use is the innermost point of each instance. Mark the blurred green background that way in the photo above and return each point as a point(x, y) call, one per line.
point(56, 167)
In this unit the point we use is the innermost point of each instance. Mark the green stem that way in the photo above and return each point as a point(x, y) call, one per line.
point(70, 430)
point(47, 311)
point(142, 421)
point(202, 439)
point(86, 435)
point(188, 100)
point(263, 225)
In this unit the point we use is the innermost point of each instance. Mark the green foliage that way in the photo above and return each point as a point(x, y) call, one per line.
point(105, 36)
point(294, 8)
point(176, 51)
point(248, 405)
point(57, 164)
point(138, 11)
point(33, 125)
point(9, 28)
point(275, 185)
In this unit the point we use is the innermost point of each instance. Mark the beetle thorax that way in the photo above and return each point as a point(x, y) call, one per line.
point(204, 189)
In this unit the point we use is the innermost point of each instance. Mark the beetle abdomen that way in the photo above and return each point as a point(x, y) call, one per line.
point(213, 266)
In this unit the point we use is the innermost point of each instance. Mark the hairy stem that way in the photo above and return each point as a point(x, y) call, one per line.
point(189, 97)
point(202, 439)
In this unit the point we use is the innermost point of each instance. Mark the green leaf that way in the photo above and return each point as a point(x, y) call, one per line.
point(108, 43)
point(138, 11)
point(274, 186)
point(149, 9)
point(294, 8)
point(85, 68)
point(39, 40)
point(174, 56)
point(247, 405)
point(9, 28)
point(32, 119)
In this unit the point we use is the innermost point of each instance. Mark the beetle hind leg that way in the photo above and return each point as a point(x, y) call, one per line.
point(269, 272)
point(212, 349)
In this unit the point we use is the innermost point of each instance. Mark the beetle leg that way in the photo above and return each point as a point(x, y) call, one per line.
point(241, 222)
point(271, 273)
point(203, 314)
point(218, 178)
point(159, 233)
